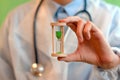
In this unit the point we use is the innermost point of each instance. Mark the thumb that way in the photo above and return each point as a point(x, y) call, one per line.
point(69, 58)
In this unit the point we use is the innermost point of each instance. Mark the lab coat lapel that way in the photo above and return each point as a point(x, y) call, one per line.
point(43, 29)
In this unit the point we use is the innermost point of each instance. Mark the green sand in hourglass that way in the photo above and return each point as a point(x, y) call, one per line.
point(58, 42)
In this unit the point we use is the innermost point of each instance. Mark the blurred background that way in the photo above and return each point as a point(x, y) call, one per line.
point(7, 5)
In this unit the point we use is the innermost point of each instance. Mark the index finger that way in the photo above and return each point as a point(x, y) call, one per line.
point(70, 19)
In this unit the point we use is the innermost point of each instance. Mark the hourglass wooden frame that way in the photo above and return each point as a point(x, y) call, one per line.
point(54, 53)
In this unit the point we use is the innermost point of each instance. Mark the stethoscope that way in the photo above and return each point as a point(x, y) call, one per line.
point(37, 68)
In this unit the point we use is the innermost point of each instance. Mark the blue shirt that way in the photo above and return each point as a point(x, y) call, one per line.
point(71, 8)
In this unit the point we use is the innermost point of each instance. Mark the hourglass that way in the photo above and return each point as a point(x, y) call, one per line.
point(58, 39)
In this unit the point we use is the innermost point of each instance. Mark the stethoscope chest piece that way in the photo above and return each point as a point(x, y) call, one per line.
point(37, 70)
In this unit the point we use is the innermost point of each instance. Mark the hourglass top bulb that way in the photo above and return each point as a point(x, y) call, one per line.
point(58, 34)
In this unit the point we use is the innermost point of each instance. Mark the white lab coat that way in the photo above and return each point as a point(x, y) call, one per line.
point(17, 52)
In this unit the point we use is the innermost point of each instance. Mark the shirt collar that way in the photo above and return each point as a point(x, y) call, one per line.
point(70, 8)
point(73, 7)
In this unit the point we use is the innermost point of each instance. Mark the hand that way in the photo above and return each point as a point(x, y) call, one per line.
point(92, 46)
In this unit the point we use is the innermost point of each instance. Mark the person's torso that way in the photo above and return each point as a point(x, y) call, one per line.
point(22, 50)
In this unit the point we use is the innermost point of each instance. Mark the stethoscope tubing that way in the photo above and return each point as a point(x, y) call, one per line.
point(35, 32)
point(85, 11)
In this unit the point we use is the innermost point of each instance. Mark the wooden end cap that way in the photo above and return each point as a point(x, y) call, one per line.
point(58, 24)
point(58, 55)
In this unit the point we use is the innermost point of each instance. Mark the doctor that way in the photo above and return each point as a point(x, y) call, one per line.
point(16, 42)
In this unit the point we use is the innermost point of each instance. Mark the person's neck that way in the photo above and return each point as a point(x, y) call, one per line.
point(63, 2)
